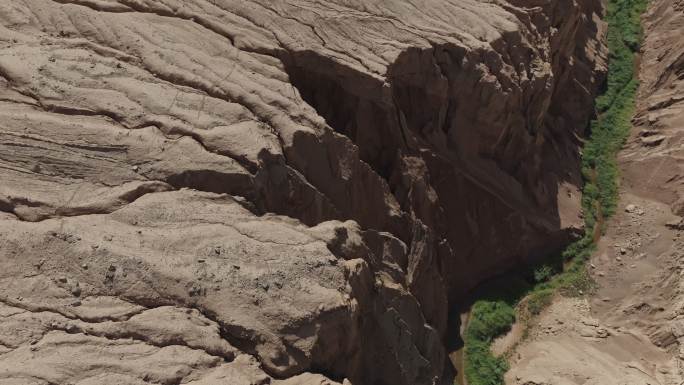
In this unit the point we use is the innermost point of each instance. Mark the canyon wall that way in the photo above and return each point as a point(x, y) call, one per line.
point(224, 191)
point(652, 166)
point(630, 329)
point(652, 151)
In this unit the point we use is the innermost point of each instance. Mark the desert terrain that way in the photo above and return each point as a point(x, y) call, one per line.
point(300, 192)
point(630, 330)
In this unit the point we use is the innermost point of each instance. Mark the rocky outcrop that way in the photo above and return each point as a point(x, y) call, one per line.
point(638, 264)
point(252, 191)
point(467, 134)
point(651, 152)
point(652, 167)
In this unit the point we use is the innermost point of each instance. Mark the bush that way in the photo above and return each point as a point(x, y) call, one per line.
point(539, 300)
point(543, 273)
point(615, 106)
point(482, 368)
point(488, 319)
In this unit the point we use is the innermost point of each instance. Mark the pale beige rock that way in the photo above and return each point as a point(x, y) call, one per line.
point(581, 350)
point(234, 191)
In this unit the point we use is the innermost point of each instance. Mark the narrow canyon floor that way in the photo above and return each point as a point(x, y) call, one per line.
point(630, 330)
point(626, 332)
point(296, 192)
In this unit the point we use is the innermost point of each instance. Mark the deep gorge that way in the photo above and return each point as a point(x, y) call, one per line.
point(319, 183)
point(494, 314)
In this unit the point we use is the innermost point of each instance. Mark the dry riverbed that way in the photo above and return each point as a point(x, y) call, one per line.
point(627, 332)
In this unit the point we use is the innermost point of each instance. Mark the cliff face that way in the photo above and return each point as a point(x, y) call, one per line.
point(652, 168)
point(476, 136)
point(631, 330)
point(255, 191)
point(652, 151)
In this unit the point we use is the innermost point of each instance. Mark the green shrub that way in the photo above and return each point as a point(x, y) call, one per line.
point(615, 106)
point(488, 319)
point(539, 300)
point(543, 273)
point(481, 367)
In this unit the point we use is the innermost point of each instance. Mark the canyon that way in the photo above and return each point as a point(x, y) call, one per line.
point(630, 330)
point(299, 191)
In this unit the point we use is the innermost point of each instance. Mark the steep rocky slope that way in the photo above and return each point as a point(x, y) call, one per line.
point(276, 191)
point(632, 330)
point(653, 151)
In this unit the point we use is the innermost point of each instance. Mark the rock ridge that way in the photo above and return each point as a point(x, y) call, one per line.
point(283, 191)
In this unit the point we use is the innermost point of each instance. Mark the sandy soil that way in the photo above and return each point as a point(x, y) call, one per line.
point(625, 332)
point(508, 341)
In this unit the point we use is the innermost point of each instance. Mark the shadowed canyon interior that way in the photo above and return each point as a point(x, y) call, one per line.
point(290, 191)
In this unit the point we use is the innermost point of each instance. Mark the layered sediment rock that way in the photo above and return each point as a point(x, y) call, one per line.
point(652, 167)
point(254, 191)
point(652, 152)
point(634, 333)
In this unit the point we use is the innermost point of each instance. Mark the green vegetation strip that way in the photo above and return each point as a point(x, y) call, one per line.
point(493, 314)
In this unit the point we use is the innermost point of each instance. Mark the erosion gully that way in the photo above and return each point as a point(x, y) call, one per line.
point(607, 134)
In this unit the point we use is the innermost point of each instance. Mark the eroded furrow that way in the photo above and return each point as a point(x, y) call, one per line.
point(317, 180)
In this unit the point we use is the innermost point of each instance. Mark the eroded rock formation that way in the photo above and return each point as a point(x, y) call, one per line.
point(219, 191)
point(652, 167)
point(635, 330)
point(652, 151)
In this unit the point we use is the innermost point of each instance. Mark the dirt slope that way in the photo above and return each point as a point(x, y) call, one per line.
point(239, 192)
point(632, 330)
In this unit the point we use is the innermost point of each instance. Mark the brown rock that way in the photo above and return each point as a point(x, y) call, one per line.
point(344, 170)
